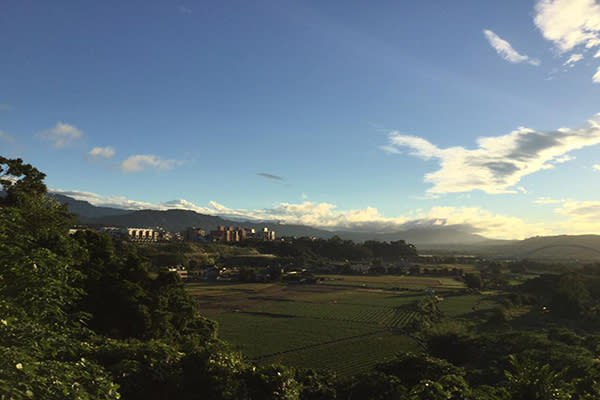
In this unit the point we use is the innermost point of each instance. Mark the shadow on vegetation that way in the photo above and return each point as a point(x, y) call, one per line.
point(268, 298)
point(268, 314)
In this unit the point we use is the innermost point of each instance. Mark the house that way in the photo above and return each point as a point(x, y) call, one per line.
point(181, 271)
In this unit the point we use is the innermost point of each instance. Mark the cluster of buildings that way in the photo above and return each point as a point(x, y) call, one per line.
point(231, 234)
point(138, 234)
point(221, 234)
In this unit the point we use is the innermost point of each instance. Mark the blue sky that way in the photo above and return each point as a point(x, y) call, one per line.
point(334, 114)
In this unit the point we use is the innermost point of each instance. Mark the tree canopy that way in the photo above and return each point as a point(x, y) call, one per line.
point(82, 317)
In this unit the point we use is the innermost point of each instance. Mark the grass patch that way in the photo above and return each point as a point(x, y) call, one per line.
point(460, 306)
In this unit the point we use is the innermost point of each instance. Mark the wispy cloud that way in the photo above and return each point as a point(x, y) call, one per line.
point(564, 159)
point(498, 163)
point(184, 10)
point(583, 216)
point(108, 201)
point(547, 200)
point(596, 77)
point(390, 149)
point(101, 152)
point(506, 51)
point(573, 59)
point(270, 176)
point(141, 162)
point(6, 137)
point(596, 167)
point(61, 135)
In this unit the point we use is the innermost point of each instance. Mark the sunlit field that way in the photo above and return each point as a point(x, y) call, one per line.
point(313, 325)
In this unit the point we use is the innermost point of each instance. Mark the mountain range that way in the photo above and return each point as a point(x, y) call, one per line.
point(438, 239)
point(178, 220)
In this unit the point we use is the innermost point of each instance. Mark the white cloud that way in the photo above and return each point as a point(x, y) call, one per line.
point(486, 223)
point(61, 135)
point(573, 59)
point(101, 152)
point(498, 163)
point(547, 200)
point(597, 55)
point(564, 159)
point(140, 162)
point(596, 167)
point(127, 204)
point(506, 51)
point(596, 77)
point(583, 216)
point(569, 23)
point(421, 147)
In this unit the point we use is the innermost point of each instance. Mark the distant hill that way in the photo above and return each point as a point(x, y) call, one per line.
point(584, 248)
point(444, 239)
point(87, 210)
point(178, 220)
point(174, 220)
point(444, 236)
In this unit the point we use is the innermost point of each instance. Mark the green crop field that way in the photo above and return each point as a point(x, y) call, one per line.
point(462, 305)
point(258, 335)
point(310, 325)
point(350, 356)
point(393, 281)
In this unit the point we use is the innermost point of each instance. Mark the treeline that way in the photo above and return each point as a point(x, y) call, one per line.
point(554, 358)
point(305, 250)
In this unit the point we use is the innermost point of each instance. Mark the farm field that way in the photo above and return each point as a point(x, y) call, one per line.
point(310, 325)
point(461, 306)
point(393, 281)
point(343, 326)
point(366, 353)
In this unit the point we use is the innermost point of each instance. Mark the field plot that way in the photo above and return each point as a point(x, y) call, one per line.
point(462, 305)
point(393, 281)
point(258, 335)
point(310, 325)
point(365, 353)
point(383, 316)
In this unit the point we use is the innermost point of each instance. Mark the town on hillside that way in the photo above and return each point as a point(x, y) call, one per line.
point(222, 234)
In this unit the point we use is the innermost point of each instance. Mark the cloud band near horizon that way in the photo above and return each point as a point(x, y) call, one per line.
point(579, 217)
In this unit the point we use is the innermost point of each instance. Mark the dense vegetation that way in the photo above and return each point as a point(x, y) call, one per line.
point(314, 251)
point(82, 317)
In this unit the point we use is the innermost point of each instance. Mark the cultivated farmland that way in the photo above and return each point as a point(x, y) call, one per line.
point(393, 281)
point(345, 329)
